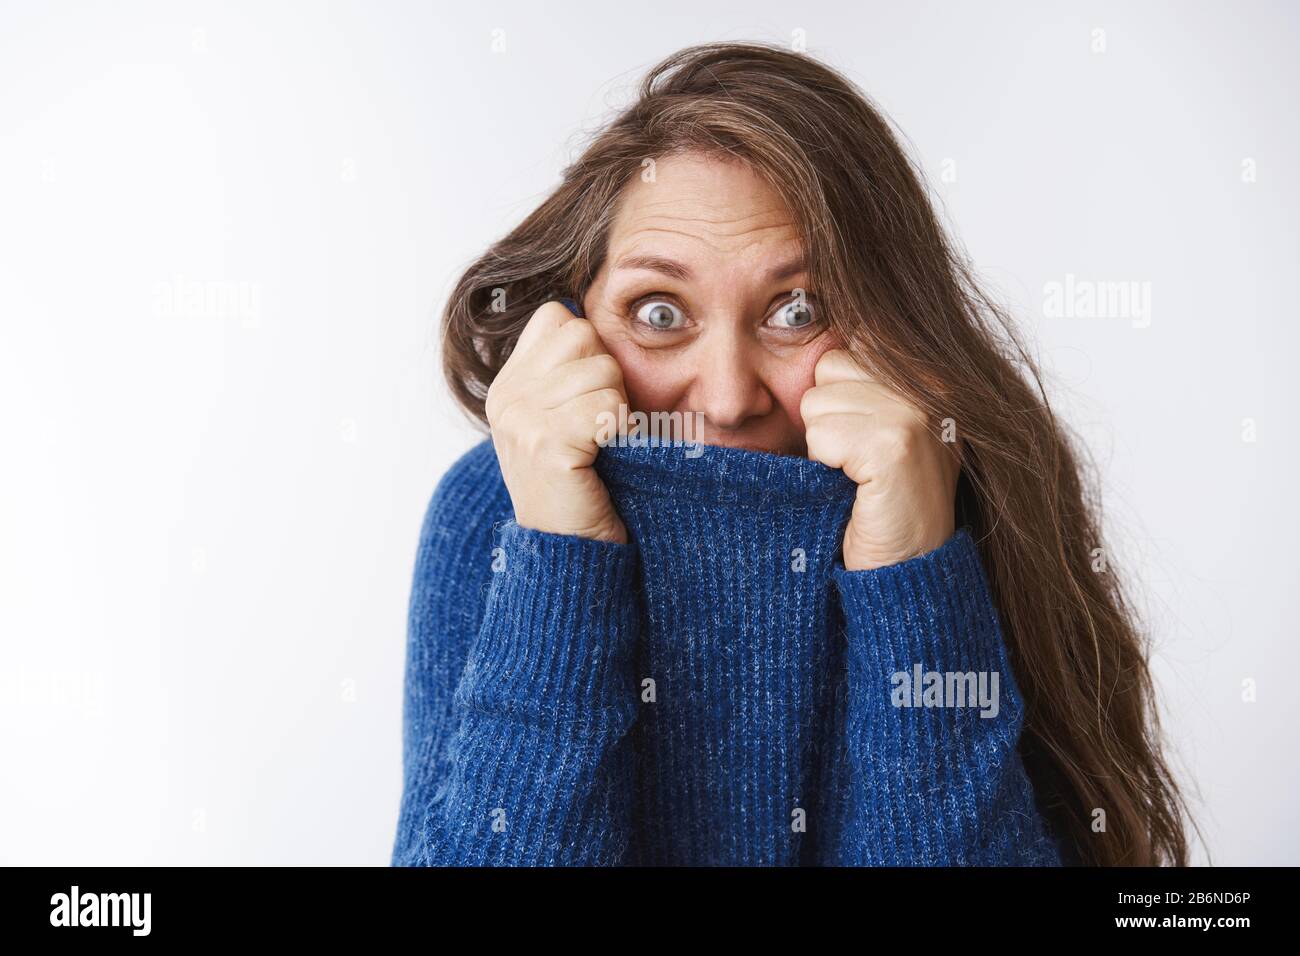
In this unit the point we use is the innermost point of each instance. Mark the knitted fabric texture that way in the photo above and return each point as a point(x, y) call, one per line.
point(718, 691)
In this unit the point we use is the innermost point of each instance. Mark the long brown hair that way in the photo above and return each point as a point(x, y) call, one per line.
point(907, 305)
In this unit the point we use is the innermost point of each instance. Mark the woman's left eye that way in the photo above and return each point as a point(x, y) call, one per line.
point(795, 314)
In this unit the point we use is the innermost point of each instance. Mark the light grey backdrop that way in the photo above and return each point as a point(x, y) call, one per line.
point(225, 231)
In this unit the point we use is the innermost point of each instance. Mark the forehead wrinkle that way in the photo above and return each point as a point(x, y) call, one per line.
point(631, 232)
point(731, 266)
point(650, 212)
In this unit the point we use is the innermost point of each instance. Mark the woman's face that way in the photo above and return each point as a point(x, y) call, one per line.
point(704, 302)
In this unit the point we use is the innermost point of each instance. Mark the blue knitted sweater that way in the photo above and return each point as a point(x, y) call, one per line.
point(718, 691)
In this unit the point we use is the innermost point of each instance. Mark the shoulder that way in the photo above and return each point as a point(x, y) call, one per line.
point(467, 505)
point(471, 488)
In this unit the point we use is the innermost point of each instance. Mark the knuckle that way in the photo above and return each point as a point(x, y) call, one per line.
point(552, 310)
point(830, 359)
point(608, 397)
point(580, 332)
point(504, 421)
point(575, 328)
point(492, 403)
point(606, 368)
point(533, 444)
point(902, 440)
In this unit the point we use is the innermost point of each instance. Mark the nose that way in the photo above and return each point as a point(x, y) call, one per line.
point(727, 381)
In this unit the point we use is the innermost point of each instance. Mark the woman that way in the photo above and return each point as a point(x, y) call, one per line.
point(859, 620)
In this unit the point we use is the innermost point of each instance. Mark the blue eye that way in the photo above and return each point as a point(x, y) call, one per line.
point(660, 315)
point(796, 314)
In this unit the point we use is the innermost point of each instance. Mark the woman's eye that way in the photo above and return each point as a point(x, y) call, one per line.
point(660, 315)
point(795, 314)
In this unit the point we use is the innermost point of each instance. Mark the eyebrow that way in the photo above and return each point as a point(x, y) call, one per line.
point(683, 273)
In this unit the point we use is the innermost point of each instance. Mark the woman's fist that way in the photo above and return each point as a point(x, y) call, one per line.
point(906, 477)
point(544, 408)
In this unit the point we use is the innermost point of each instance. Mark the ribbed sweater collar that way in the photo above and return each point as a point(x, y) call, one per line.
point(741, 637)
point(715, 475)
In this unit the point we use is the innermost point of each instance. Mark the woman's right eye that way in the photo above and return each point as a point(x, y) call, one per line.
point(660, 315)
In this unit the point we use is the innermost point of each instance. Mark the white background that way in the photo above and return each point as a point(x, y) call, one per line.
point(209, 508)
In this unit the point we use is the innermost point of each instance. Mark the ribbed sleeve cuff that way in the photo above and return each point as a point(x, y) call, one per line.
point(557, 646)
point(934, 612)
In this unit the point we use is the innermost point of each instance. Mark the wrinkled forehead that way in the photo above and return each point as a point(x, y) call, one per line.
point(702, 210)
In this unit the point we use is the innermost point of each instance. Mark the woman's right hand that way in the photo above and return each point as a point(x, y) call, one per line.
point(544, 409)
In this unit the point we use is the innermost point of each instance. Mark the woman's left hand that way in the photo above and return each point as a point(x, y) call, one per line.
point(906, 477)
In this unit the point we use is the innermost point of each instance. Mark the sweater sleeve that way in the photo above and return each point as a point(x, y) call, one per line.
point(935, 776)
point(520, 756)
